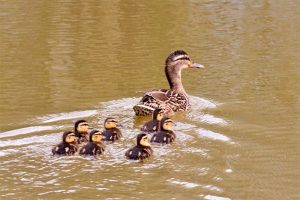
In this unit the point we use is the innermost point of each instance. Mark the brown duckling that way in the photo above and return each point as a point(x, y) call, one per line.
point(111, 132)
point(173, 99)
point(166, 134)
point(94, 146)
point(153, 125)
point(81, 128)
point(67, 146)
point(142, 150)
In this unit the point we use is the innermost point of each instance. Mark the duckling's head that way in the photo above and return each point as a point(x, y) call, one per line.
point(111, 122)
point(81, 126)
point(157, 114)
point(166, 124)
point(175, 62)
point(95, 136)
point(142, 140)
point(68, 137)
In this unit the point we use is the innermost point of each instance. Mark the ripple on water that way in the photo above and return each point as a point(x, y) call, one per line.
point(27, 130)
point(213, 135)
point(67, 116)
point(212, 197)
point(83, 171)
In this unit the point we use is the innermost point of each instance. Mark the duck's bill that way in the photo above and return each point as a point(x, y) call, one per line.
point(197, 65)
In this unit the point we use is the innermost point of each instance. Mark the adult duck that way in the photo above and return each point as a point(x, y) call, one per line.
point(173, 99)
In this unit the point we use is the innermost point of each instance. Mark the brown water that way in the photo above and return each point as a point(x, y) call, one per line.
point(65, 60)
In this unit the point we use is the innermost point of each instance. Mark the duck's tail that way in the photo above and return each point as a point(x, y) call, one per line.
point(143, 110)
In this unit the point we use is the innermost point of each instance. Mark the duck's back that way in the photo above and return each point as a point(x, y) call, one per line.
point(167, 100)
point(92, 149)
point(138, 153)
point(163, 137)
point(64, 149)
point(112, 134)
point(151, 126)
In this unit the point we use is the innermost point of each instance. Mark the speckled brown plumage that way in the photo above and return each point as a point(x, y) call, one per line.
point(169, 100)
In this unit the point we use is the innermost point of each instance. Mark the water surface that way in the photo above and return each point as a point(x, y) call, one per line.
point(65, 60)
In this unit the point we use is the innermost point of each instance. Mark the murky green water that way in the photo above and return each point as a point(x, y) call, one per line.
point(65, 60)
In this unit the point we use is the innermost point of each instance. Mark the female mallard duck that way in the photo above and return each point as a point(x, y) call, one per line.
point(172, 100)
point(94, 146)
point(111, 132)
point(153, 125)
point(166, 134)
point(142, 150)
point(67, 146)
point(81, 128)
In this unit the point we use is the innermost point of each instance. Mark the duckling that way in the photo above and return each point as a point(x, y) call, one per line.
point(153, 125)
point(81, 128)
point(67, 146)
point(94, 146)
point(173, 99)
point(142, 150)
point(111, 132)
point(166, 134)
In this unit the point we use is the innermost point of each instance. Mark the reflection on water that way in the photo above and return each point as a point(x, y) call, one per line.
point(65, 60)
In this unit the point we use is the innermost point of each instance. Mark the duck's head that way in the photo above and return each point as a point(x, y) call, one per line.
point(157, 114)
point(81, 126)
point(111, 122)
point(95, 136)
point(68, 137)
point(175, 62)
point(166, 124)
point(142, 140)
point(181, 59)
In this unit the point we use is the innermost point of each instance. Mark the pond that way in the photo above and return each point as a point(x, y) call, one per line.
point(66, 60)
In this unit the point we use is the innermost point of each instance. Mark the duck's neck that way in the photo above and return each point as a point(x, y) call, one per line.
point(173, 75)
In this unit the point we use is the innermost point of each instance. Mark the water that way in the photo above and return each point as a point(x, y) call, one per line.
point(65, 60)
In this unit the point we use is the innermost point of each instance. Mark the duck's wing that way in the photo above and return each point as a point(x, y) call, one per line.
point(151, 100)
point(167, 100)
point(158, 95)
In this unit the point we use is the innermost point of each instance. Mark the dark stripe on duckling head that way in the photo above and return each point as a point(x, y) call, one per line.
point(111, 122)
point(76, 124)
point(155, 113)
point(65, 135)
point(163, 121)
point(139, 138)
point(110, 119)
point(93, 132)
